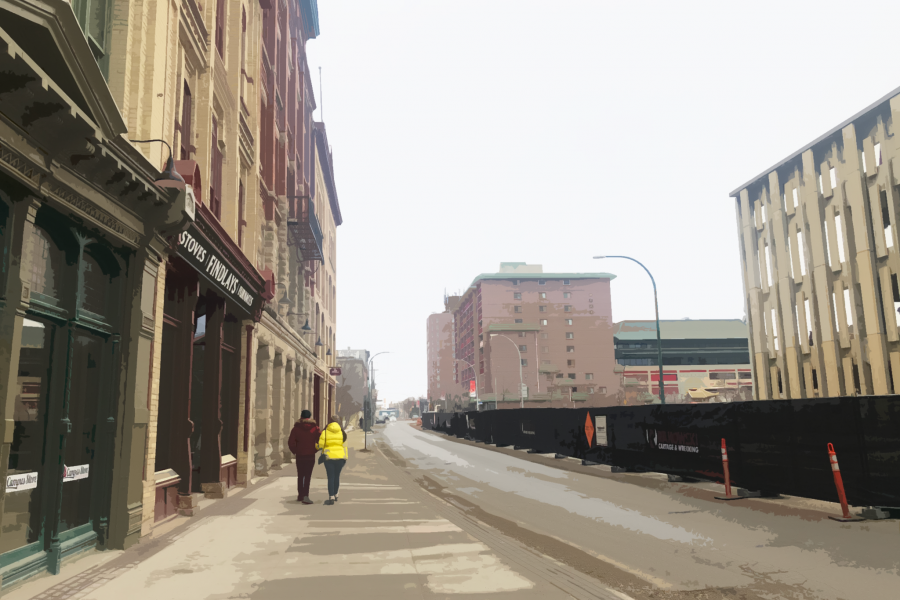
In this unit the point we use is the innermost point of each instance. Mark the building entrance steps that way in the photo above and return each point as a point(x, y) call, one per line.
point(386, 537)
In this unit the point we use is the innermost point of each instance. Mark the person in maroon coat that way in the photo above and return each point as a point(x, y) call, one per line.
point(302, 443)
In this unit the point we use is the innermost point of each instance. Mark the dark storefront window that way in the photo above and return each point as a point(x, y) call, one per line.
point(22, 507)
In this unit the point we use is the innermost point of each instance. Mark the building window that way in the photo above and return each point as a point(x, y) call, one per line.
point(543, 295)
point(567, 308)
point(559, 375)
point(515, 282)
point(590, 390)
point(523, 348)
point(542, 309)
point(567, 294)
point(241, 213)
point(571, 375)
point(568, 321)
point(570, 335)
point(518, 309)
point(565, 282)
point(517, 296)
point(545, 362)
point(186, 133)
point(518, 320)
point(570, 348)
point(543, 336)
point(524, 362)
point(570, 362)
point(574, 390)
point(93, 18)
point(603, 390)
point(220, 27)
point(542, 282)
point(543, 321)
point(545, 349)
point(521, 334)
point(588, 375)
point(215, 187)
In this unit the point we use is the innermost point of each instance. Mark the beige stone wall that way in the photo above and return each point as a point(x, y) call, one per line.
point(820, 261)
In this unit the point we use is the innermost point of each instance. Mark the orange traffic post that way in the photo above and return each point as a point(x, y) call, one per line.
point(839, 484)
point(727, 495)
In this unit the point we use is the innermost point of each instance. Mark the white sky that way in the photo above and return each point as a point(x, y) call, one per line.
point(466, 133)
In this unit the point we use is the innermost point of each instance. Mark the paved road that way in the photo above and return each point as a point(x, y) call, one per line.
point(655, 543)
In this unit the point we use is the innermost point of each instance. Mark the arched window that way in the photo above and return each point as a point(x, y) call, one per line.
point(46, 265)
point(99, 268)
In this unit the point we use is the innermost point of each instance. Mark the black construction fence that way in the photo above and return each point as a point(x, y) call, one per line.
point(774, 446)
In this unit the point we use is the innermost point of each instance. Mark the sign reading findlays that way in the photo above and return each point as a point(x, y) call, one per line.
point(75, 473)
point(334, 371)
point(22, 481)
point(195, 250)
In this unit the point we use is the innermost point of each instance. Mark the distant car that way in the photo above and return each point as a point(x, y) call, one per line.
point(381, 419)
point(393, 418)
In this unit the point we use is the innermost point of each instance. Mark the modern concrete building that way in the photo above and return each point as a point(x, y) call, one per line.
point(820, 260)
point(702, 359)
point(439, 337)
point(551, 331)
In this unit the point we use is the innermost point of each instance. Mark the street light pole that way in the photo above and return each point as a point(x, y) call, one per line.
point(475, 375)
point(368, 408)
point(521, 381)
point(662, 383)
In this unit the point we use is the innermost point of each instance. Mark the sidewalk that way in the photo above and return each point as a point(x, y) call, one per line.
point(385, 538)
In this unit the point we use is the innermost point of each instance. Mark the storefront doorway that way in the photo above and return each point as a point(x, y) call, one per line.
point(58, 474)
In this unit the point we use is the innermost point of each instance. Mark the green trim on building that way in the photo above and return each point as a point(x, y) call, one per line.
point(547, 276)
point(513, 327)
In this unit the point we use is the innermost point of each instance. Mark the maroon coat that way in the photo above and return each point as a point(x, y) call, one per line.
point(304, 437)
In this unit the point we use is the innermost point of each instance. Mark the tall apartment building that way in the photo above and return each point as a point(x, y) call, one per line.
point(439, 352)
point(820, 261)
point(188, 293)
point(556, 327)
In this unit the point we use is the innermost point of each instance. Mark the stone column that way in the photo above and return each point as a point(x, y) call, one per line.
point(245, 404)
point(277, 413)
point(265, 357)
point(210, 437)
point(289, 414)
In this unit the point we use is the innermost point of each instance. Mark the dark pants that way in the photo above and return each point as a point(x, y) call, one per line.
point(305, 466)
point(333, 470)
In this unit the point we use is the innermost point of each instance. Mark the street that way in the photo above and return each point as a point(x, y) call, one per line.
point(674, 538)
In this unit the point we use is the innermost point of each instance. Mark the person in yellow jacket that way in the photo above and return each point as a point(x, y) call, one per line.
point(331, 443)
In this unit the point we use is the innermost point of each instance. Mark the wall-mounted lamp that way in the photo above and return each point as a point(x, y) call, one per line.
point(319, 342)
point(306, 328)
point(169, 173)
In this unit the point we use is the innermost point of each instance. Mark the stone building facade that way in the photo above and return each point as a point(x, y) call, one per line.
point(162, 193)
point(820, 263)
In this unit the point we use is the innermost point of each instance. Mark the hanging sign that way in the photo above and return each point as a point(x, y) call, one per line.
point(200, 254)
point(75, 473)
point(335, 371)
point(21, 481)
point(601, 430)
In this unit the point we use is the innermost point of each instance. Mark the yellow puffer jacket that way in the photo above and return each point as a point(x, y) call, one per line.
point(331, 442)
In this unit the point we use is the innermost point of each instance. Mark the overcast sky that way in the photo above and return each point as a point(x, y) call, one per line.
point(469, 133)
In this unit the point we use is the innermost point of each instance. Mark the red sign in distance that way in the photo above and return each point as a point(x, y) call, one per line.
point(335, 371)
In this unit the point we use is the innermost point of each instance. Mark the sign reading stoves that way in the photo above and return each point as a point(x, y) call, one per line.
point(197, 251)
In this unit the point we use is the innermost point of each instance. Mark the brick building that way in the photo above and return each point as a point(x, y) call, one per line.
point(556, 326)
point(439, 338)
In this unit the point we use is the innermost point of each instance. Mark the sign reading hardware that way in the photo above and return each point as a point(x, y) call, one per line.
point(22, 481)
point(193, 248)
point(76, 473)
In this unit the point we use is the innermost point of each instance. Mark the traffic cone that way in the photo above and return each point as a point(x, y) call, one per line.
point(727, 495)
point(839, 484)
